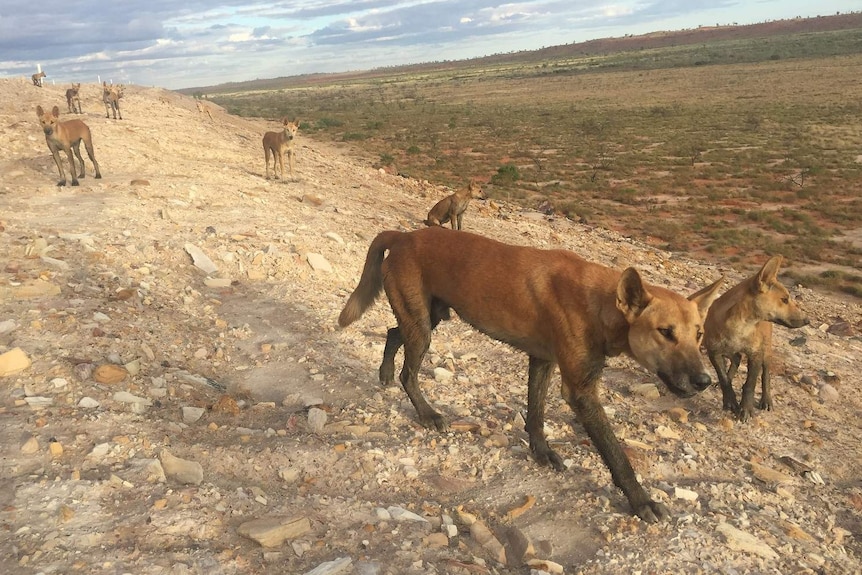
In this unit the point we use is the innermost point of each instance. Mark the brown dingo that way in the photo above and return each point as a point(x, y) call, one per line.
point(278, 144)
point(740, 323)
point(111, 97)
point(203, 109)
point(557, 307)
point(73, 101)
point(37, 78)
point(451, 208)
point(67, 136)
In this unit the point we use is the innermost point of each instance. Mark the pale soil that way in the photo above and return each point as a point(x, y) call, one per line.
point(126, 291)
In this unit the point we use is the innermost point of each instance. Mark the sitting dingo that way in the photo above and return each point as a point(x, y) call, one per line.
point(557, 307)
point(740, 323)
point(451, 208)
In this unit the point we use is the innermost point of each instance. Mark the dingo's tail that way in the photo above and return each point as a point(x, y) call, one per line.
point(371, 282)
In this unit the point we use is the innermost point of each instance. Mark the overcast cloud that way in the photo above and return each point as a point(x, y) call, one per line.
point(204, 42)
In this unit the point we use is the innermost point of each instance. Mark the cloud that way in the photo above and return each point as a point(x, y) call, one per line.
point(200, 42)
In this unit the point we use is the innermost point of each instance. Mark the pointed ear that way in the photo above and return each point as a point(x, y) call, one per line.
point(706, 296)
point(632, 295)
point(768, 273)
point(56, 111)
point(39, 111)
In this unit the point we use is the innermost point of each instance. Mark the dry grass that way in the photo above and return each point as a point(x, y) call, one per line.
point(730, 162)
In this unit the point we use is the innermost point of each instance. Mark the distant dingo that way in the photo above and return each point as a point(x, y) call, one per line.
point(451, 208)
point(278, 144)
point(111, 97)
point(73, 100)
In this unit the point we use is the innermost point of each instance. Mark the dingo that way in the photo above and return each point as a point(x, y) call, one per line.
point(451, 208)
point(72, 99)
point(278, 144)
point(204, 109)
point(37, 78)
point(557, 307)
point(111, 97)
point(67, 136)
point(740, 323)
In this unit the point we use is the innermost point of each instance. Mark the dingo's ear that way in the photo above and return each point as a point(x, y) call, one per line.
point(632, 295)
point(39, 111)
point(768, 273)
point(706, 296)
point(56, 112)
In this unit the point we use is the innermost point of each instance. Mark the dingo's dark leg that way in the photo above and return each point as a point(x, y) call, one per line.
point(538, 380)
point(77, 148)
point(439, 312)
point(765, 388)
point(88, 145)
point(746, 407)
point(729, 402)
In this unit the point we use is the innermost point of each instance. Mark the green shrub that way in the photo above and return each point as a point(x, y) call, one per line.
point(506, 174)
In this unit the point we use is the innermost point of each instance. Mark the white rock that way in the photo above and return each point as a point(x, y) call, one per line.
point(334, 567)
point(88, 403)
point(684, 494)
point(334, 237)
point(183, 470)
point(38, 401)
point(316, 419)
point(828, 393)
point(739, 540)
point(192, 414)
point(200, 259)
point(318, 262)
point(442, 375)
point(8, 326)
point(401, 514)
point(217, 282)
point(126, 397)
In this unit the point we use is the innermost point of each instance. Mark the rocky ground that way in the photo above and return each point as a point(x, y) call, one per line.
point(175, 396)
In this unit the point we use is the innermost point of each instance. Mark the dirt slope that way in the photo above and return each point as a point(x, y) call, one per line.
point(101, 275)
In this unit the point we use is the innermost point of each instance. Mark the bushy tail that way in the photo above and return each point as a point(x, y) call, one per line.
point(371, 282)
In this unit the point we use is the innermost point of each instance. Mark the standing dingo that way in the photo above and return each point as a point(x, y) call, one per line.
point(740, 323)
point(111, 97)
point(67, 136)
point(557, 307)
point(278, 144)
point(73, 100)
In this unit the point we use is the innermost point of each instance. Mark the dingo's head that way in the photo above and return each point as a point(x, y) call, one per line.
point(476, 191)
point(290, 128)
point(48, 120)
point(771, 300)
point(665, 331)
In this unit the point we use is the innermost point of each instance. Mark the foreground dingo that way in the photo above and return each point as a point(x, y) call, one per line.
point(67, 136)
point(740, 323)
point(557, 307)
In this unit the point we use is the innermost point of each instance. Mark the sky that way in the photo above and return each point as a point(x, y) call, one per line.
point(177, 44)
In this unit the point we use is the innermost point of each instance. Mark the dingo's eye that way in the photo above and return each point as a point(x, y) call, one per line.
point(667, 333)
point(785, 300)
point(699, 335)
